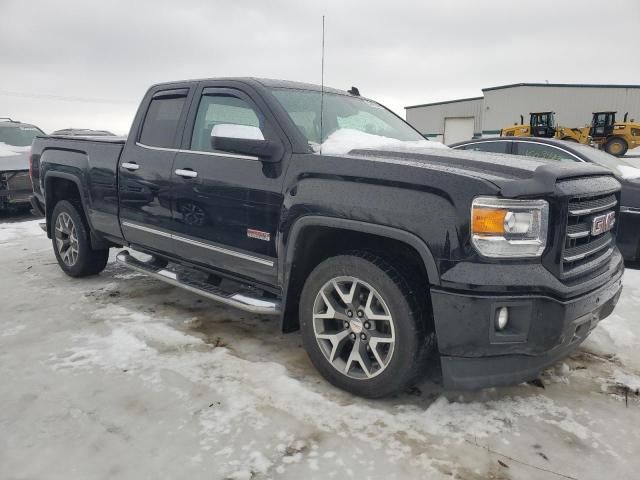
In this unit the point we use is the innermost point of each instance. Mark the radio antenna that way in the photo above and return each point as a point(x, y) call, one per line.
point(322, 90)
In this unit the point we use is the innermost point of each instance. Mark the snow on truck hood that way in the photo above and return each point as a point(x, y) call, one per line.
point(344, 140)
point(14, 158)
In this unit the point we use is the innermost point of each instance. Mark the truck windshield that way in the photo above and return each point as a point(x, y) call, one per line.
point(341, 112)
point(18, 136)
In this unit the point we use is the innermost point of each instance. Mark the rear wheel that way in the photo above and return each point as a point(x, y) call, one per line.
point(71, 242)
point(616, 146)
point(361, 326)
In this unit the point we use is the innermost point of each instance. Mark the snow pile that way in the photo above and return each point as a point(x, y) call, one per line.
point(346, 139)
point(628, 173)
point(620, 332)
point(7, 150)
point(13, 231)
point(632, 382)
point(263, 394)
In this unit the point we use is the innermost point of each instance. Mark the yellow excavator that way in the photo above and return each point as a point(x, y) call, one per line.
point(604, 132)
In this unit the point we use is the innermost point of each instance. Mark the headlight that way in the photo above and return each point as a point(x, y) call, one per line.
point(509, 228)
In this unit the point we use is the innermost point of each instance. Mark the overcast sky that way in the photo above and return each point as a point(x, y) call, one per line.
point(80, 63)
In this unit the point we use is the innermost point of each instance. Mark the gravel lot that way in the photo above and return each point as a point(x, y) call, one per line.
point(121, 376)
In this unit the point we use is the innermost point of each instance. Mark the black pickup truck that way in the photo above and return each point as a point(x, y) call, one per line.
point(387, 254)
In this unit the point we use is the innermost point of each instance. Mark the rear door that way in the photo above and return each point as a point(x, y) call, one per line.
point(145, 170)
point(226, 211)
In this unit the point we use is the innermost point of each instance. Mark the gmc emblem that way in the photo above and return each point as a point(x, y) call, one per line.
point(603, 223)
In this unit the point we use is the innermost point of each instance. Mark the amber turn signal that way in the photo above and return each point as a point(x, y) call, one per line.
point(488, 221)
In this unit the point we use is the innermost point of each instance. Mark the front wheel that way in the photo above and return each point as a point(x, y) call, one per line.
point(362, 326)
point(71, 242)
point(616, 146)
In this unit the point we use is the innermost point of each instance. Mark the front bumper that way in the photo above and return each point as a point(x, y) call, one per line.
point(15, 188)
point(541, 330)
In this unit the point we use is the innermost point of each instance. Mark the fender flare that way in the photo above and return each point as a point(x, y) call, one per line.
point(96, 240)
point(363, 227)
point(299, 225)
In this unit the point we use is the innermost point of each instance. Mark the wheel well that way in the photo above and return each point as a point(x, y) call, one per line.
point(59, 189)
point(315, 244)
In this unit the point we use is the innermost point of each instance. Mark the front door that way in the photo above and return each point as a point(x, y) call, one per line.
point(145, 171)
point(602, 125)
point(226, 207)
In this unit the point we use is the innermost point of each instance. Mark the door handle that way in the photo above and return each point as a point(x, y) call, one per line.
point(130, 166)
point(186, 173)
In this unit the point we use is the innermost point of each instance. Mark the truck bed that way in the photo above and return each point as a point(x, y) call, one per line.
point(93, 158)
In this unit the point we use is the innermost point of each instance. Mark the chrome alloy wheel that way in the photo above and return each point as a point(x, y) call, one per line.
point(353, 327)
point(66, 239)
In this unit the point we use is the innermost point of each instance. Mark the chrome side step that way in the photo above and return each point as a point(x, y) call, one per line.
point(245, 298)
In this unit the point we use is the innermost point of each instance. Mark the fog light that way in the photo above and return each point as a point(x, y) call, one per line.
point(502, 319)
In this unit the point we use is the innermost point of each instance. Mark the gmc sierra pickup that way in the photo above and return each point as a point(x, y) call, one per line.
point(327, 209)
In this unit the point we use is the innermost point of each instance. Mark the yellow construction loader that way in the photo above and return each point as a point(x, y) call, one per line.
point(604, 132)
point(541, 124)
point(607, 134)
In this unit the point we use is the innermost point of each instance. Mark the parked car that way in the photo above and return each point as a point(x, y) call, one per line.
point(383, 257)
point(15, 144)
point(626, 171)
point(83, 132)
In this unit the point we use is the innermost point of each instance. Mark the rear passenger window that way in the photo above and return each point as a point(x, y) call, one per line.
point(495, 147)
point(221, 110)
point(543, 151)
point(161, 122)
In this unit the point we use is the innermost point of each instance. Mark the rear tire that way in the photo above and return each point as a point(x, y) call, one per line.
point(616, 146)
point(71, 242)
point(343, 324)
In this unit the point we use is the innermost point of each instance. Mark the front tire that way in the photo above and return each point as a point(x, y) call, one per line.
point(362, 326)
point(616, 146)
point(71, 242)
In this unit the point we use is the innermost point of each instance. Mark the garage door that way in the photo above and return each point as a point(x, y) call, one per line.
point(458, 129)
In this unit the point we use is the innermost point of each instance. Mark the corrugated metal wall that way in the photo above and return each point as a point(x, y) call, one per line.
point(502, 107)
point(573, 105)
point(429, 120)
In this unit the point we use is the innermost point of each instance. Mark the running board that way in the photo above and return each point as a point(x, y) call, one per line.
point(244, 299)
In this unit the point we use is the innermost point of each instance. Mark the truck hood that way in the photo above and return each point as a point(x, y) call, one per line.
point(514, 175)
point(12, 161)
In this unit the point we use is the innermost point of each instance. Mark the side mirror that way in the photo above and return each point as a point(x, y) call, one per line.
point(245, 140)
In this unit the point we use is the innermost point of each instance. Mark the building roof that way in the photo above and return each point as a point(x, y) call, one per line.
point(515, 85)
point(445, 102)
point(567, 85)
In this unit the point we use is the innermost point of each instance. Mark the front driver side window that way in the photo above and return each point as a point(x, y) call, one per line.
point(226, 110)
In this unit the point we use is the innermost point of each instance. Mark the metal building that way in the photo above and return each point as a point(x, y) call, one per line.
point(462, 119)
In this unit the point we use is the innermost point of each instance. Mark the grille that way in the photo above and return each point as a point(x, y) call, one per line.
point(18, 186)
point(583, 252)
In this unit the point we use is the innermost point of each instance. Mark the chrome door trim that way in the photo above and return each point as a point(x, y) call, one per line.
point(198, 152)
point(226, 251)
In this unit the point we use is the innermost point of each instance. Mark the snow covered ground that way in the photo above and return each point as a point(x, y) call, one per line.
point(121, 376)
